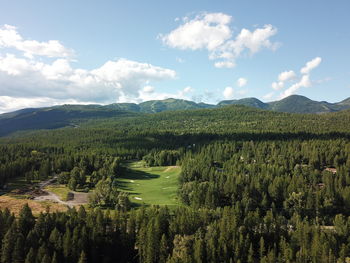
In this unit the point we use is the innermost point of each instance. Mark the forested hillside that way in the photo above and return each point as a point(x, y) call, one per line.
point(255, 186)
point(73, 115)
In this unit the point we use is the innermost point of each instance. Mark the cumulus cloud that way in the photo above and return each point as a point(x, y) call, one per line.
point(10, 38)
point(282, 78)
point(295, 82)
point(148, 89)
point(314, 63)
point(212, 31)
point(27, 81)
point(8, 104)
point(145, 95)
point(277, 85)
point(246, 41)
point(241, 82)
point(224, 64)
point(24, 77)
point(303, 83)
point(204, 31)
point(228, 93)
point(20, 77)
point(286, 75)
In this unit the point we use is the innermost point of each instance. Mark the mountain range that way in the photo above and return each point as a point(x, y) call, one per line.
point(292, 104)
point(71, 115)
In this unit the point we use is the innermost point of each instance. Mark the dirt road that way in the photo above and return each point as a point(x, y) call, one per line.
point(78, 199)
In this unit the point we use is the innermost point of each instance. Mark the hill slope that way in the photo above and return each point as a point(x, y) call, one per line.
point(300, 104)
point(292, 104)
point(72, 115)
point(55, 117)
point(250, 102)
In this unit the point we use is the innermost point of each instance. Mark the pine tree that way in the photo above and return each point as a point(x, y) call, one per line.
point(54, 258)
point(250, 254)
point(46, 259)
point(8, 244)
point(199, 250)
point(30, 258)
point(18, 252)
point(82, 258)
point(67, 243)
point(262, 247)
point(42, 252)
point(163, 249)
point(26, 220)
point(56, 239)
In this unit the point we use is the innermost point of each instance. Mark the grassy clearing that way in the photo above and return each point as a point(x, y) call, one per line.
point(150, 185)
point(59, 189)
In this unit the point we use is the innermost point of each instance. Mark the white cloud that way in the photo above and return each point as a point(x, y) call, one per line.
point(311, 65)
point(8, 104)
point(204, 31)
point(27, 78)
point(145, 95)
point(228, 93)
point(247, 41)
point(148, 89)
point(241, 82)
point(290, 76)
point(286, 75)
point(224, 64)
point(303, 83)
point(212, 31)
point(28, 81)
point(277, 85)
point(10, 38)
point(187, 89)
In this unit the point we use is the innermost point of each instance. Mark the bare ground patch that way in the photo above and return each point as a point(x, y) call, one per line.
point(15, 205)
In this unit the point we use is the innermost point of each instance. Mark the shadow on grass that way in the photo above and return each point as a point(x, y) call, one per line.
point(127, 186)
point(138, 205)
point(129, 174)
point(137, 175)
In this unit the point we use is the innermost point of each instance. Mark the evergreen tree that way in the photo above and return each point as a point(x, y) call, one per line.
point(54, 258)
point(30, 258)
point(82, 258)
point(18, 252)
point(8, 244)
point(26, 220)
point(46, 259)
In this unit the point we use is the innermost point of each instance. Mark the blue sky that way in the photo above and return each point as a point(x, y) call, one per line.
point(54, 52)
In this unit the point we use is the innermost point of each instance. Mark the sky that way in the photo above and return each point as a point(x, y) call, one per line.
point(102, 52)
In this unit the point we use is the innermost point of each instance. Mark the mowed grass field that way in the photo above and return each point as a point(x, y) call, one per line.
point(150, 185)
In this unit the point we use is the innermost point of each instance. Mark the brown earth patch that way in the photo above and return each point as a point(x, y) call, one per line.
point(15, 205)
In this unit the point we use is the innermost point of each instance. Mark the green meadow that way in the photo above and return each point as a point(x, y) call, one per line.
point(150, 185)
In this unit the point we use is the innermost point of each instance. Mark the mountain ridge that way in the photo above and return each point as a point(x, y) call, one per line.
point(291, 104)
point(71, 115)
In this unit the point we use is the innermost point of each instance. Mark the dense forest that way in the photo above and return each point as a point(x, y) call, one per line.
point(255, 186)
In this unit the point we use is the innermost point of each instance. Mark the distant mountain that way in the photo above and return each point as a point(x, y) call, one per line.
point(292, 104)
point(72, 115)
point(55, 117)
point(250, 102)
point(170, 104)
point(345, 102)
point(154, 106)
point(300, 104)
